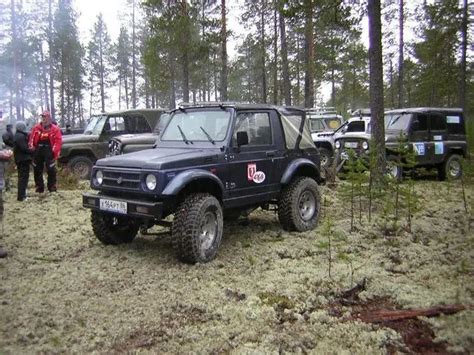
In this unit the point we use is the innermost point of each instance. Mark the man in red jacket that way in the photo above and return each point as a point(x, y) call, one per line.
point(46, 141)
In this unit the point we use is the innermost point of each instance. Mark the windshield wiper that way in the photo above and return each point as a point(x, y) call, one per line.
point(207, 135)
point(184, 137)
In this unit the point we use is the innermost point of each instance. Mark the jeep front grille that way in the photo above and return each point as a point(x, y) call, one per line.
point(126, 180)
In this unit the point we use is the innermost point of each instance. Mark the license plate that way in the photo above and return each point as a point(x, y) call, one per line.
point(113, 206)
point(351, 145)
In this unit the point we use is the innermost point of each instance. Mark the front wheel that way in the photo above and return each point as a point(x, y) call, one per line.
point(113, 229)
point(299, 205)
point(451, 168)
point(197, 228)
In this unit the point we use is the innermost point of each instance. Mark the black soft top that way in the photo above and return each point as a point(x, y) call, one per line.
point(240, 106)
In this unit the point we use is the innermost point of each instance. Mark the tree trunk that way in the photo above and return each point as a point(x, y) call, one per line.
point(284, 62)
point(101, 74)
point(401, 44)
point(185, 56)
point(134, 60)
point(172, 103)
point(44, 80)
point(16, 81)
point(376, 89)
point(224, 52)
point(263, 54)
point(464, 29)
point(275, 55)
point(298, 71)
point(308, 55)
point(120, 92)
point(392, 86)
point(51, 69)
point(333, 86)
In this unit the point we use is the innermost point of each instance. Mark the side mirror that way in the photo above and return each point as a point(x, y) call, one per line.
point(415, 125)
point(242, 138)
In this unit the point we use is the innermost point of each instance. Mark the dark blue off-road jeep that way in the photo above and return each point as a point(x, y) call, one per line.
point(213, 161)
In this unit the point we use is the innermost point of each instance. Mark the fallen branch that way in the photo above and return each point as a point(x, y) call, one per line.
point(353, 292)
point(397, 315)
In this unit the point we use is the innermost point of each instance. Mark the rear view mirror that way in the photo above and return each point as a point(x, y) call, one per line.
point(242, 138)
point(415, 125)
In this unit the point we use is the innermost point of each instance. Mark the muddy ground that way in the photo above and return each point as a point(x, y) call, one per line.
point(268, 291)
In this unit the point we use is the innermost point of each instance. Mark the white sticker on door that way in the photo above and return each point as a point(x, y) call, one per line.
point(419, 148)
point(259, 177)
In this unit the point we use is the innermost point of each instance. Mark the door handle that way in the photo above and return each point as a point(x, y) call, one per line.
point(271, 154)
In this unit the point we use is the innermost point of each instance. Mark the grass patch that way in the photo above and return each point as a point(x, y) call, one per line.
point(67, 180)
point(273, 299)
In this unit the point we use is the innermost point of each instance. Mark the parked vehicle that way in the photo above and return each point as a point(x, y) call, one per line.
point(212, 161)
point(129, 143)
point(323, 124)
point(80, 151)
point(437, 136)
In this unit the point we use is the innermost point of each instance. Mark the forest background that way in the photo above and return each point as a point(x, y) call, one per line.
point(172, 51)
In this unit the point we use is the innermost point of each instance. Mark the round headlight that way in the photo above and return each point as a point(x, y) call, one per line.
point(150, 182)
point(365, 145)
point(99, 177)
point(338, 144)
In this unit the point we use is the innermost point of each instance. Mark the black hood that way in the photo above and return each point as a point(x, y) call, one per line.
point(161, 158)
point(142, 138)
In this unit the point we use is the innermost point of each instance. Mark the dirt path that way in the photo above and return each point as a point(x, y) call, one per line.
point(268, 291)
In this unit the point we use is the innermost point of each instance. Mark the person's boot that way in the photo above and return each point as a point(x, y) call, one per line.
point(3, 253)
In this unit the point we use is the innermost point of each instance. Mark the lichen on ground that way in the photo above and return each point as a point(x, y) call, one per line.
point(268, 290)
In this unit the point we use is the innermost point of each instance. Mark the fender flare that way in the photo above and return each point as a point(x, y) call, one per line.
point(184, 178)
point(295, 165)
point(74, 152)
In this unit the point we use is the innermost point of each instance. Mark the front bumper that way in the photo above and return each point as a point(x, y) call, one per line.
point(134, 208)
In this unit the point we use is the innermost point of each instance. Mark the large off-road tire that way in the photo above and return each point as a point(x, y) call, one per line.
point(299, 205)
point(394, 169)
point(113, 229)
point(451, 168)
point(197, 228)
point(81, 166)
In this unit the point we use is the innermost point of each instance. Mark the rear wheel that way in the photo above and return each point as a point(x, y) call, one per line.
point(197, 228)
point(451, 168)
point(113, 229)
point(81, 166)
point(299, 205)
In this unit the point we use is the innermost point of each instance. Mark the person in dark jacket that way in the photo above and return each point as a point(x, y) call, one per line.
point(23, 157)
point(7, 137)
point(5, 156)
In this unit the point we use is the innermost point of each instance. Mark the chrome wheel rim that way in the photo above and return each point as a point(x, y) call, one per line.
point(208, 231)
point(324, 160)
point(392, 170)
point(81, 169)
point(454, 168)
point(307, 205)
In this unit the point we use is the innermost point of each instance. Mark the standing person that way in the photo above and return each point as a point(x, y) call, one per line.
point(46, 141)
point(22, 158)
point(5, 155)
point(7, 137)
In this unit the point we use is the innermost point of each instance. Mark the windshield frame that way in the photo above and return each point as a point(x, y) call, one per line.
point(95, 125)
point(395, 119)
point(175, 120)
